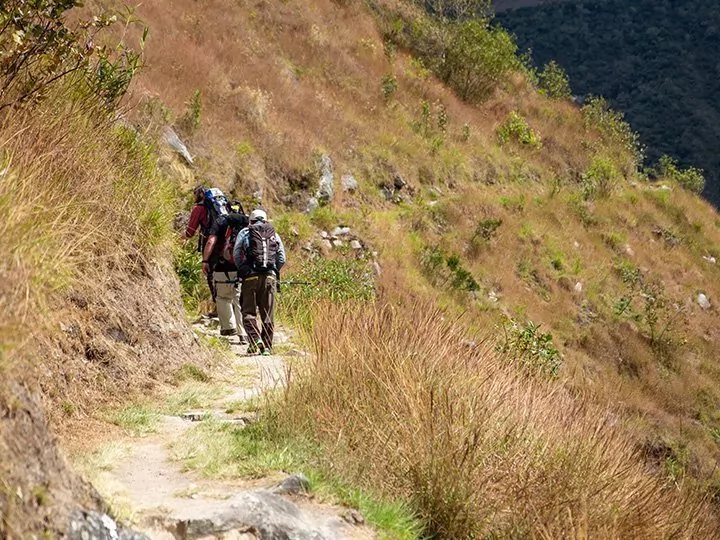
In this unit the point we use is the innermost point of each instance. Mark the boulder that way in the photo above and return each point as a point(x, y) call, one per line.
point(399, 182)
point(326, 191)
point(355, 244)
point(349, 183)
point(703, 301)
point(340, 231)
point(266, 514)
point(94, 526)
point(708, 258)
point(312, 204)
point(174, 142)
point(297, 484)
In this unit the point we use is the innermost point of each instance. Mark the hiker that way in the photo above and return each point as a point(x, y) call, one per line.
point(260, 255)
point(200, 223)
point(218, 263)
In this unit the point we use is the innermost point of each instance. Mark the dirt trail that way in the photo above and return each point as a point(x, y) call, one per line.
point(164, 501)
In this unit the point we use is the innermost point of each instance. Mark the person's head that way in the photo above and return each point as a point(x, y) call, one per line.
point(258, 215)
point(199, 193)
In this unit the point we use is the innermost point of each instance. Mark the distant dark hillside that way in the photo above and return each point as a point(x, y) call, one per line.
point(656, 60)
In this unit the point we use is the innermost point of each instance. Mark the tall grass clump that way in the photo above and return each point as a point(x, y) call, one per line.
point(404, 406)
point(80, 199)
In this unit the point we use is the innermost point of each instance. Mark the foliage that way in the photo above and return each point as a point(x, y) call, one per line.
point(478, 59)
point(690, 178)
point(337, 280)
point(647, 303)
point(193, 284)
point(39, 49)
point(554, 82)
point(516, 129)
point(388, 86)
point(639, 57)
point(487, 228)
point(458, 10)
point(598, 115)
point(193, 113)
point(446, 268)
point(600, 180)
point(531, 349)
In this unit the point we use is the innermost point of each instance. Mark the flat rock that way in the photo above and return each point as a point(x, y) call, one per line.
point(267, 515)
point(174, 142)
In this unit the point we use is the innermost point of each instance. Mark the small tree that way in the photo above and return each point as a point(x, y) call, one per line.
point(478, 57)
point(691, 179)
point(554, 82)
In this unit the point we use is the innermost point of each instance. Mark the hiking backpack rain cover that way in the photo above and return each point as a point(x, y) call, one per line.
point(263, 246)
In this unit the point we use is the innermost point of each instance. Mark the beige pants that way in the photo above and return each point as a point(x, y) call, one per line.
point(228, 301)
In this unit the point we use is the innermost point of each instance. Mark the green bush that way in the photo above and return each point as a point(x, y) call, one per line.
point(532, 350)
point(597, 114)
point(193, 284)
point(600, 180)
point(443, 268)
point(554, 82)
point(478, 59)
point(516, 129)
point(337, 280)
point(691, 179)
point(388, 86)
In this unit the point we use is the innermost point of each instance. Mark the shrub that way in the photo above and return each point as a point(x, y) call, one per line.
point(691, 179)
point(193, 112)
point(554, 82)
point(40, 49)
point(611, 124)
point(443, 268)
point(336, 280)
point(516, 129)
point(600, 180)
point(532, 350)
point(193, 285)
point(478, 59)
point(388, 86)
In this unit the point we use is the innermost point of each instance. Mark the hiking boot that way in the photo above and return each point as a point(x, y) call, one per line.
point(228, 332)
point(243, 340)
point(266, 352)
point(255, 348)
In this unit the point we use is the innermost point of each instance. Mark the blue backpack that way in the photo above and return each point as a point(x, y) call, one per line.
point(216, 203)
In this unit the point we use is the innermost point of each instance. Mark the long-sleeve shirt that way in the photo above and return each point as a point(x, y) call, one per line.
point(242, 243)
point(198, 218)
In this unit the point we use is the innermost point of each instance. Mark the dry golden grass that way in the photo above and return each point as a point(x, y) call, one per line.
point(397, 400)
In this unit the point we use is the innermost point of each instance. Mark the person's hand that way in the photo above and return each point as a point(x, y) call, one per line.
point(205, 268)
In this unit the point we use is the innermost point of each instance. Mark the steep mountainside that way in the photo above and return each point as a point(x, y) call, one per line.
point(547, 315)
point(654, 60)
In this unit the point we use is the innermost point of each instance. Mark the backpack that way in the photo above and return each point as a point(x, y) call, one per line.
point(231, 233)
point(263, 246)
point(216, 203)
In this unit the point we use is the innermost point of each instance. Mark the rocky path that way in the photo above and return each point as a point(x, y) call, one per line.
point(165, 501)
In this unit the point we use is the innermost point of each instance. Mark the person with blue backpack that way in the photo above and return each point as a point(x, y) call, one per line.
point(259, 255)
point(226, 220)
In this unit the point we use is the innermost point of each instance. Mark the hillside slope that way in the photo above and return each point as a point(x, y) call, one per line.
point(655, 61)
point(517, 208)
point(497, 229)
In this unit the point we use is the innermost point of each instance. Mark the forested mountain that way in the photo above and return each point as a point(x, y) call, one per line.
point(655, 60)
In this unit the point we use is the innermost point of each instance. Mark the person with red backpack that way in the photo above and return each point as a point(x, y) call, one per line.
point(259, 255)
point(200, 223)
point(218, 262)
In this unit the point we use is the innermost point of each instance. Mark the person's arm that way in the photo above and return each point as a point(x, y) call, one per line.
point(280, 257)
point(207, 253)
point(197, 215)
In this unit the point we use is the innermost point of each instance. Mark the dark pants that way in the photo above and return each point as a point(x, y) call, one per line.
point(257, 297)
